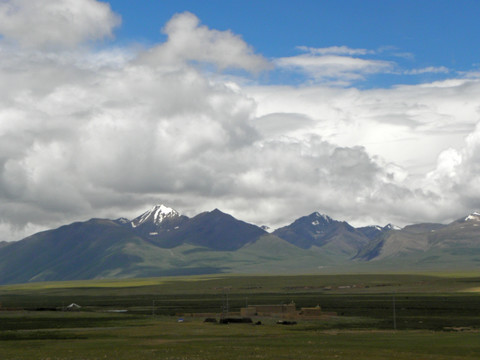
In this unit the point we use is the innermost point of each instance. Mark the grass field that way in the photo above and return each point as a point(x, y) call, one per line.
point(436, 317)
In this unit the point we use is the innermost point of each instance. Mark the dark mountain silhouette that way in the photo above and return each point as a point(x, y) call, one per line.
point(162, 242)
point(214, 230)
point(77, 251)
point(322, 231)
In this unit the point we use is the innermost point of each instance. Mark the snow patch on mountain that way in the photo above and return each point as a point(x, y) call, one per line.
point(156, 215)
point(392, 227)
point(475, 216)
point(326, 218)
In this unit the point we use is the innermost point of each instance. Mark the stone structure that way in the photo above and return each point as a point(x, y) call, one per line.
point(269, 310)
point(283, 310)
point(311, 312)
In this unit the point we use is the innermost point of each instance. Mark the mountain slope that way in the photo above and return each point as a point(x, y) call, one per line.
point(75, 251)
point(429, 245)
point(214, 230)
point(323, 232)
point(150, 245)
point(162, 242)
point(461, 234)
point(372, 232)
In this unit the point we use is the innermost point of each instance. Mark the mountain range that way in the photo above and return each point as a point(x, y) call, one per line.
point(162, 242)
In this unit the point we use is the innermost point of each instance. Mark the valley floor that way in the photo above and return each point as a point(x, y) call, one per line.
point(435, 317)
point(165, 338)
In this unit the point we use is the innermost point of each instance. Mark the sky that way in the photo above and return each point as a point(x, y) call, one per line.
point(367, 111)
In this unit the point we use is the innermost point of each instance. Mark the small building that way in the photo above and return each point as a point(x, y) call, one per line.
point(287, 311)
point(269, 310)
point(314, 311)
point(248, 311)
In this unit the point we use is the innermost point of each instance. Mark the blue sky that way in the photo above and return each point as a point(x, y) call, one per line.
point(413, 34)
point(367, 111)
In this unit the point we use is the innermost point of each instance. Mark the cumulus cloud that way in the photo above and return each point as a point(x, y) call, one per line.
point(47, 24)
point(101, 130)
point(88, 133)
point(190, 41)
point(407, 125)
point(457, 174)
point(403, 130)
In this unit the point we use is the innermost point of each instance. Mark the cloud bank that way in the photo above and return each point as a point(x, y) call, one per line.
point(56, 23)
point(88, 132)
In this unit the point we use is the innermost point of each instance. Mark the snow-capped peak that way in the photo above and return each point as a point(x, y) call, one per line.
point(323, 216)
point(475, 216)
point(156, 215)
point(374, 227)
point(392, 227)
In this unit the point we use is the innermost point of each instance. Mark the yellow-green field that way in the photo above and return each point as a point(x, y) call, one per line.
point(436, 317)
point(110, 283)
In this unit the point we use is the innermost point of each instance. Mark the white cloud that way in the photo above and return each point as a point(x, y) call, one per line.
point(109, 133)
point(457, 176)
point(333, 68)
point(56, 23)
point(407, 125)
point(335, 50)
point(429, 69)
point(403, 130)
point(190, 41)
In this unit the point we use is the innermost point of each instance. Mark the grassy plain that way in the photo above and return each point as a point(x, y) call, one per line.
point(436, 317)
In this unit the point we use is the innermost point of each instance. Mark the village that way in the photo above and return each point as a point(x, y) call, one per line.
point(286, 314)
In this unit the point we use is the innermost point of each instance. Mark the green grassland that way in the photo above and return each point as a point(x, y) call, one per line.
point(436, 317)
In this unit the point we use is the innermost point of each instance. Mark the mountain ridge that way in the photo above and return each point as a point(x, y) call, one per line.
point(163, 242)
